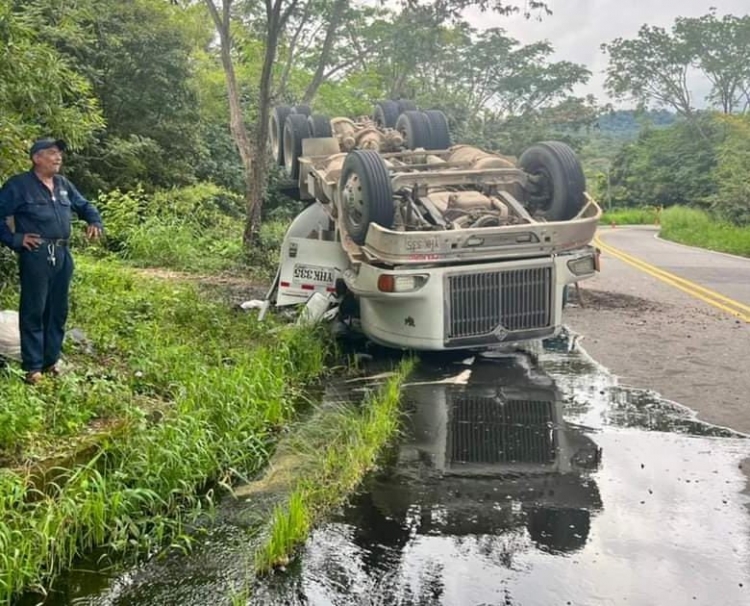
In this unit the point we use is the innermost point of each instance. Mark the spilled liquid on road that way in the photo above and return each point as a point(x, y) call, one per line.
point(540, 486)
point(517, 483)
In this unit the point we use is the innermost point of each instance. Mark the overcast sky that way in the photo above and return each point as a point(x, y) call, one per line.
point(577, 28)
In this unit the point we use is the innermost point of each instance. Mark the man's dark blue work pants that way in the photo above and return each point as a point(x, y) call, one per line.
point(44, 305)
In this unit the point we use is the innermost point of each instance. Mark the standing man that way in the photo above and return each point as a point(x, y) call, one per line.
point(41, 203)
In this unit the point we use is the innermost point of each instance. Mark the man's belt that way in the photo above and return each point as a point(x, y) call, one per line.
point(55, 242)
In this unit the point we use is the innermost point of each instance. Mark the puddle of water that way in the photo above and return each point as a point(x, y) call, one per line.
point(538, 486)
point(515, 484)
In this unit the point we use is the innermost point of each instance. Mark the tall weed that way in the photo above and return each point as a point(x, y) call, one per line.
point(204, 392)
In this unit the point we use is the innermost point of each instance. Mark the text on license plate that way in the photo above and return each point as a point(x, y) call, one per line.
point(312, 273)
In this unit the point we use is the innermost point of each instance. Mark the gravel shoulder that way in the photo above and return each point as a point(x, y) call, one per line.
point(654, 336)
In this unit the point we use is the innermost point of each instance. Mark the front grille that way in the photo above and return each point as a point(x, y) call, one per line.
point(516, 300)
point(487, 430)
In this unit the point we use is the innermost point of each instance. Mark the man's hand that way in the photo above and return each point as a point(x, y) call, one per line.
point(31, 241)
point(93, 232)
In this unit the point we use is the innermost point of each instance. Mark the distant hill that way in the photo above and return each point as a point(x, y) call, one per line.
point(626, 124)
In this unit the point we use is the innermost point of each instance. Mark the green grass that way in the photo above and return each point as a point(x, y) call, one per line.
point(338, 454)
point(687, 226)
point(697, 228)
point(630, 216)
point(199, 391)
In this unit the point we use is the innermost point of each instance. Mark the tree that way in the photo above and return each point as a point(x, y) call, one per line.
point(39, 92)
point(721, 51)
point(651, 68)
point(654, 66)
point(137, 57)
point(253, 156)
point(270, 27)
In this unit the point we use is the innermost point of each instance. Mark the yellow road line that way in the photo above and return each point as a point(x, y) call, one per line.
point(692, 285)
point(706, 295)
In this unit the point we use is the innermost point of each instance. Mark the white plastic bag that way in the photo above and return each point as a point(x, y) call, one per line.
point(10, 336)
point(317, 309)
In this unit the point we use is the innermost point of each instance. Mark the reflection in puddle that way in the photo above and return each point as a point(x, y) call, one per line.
point(521, 484)
point(538, 487)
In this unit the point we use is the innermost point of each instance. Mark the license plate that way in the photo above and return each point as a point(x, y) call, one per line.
point(313, 274)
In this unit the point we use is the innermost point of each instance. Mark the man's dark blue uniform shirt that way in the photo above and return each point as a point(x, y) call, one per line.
point(37, 210)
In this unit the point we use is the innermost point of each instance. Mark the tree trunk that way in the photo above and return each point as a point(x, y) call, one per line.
point(325, 54)
point(259, 172)
point(236, 116)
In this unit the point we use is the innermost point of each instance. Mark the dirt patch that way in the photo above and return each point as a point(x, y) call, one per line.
point(605, 300)
point(232, 289)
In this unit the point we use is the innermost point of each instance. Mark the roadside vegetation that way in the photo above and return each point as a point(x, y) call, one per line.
point(697, 228)
point(170, 396)
point(685, 225)
point(630, 216)
point(335, 456)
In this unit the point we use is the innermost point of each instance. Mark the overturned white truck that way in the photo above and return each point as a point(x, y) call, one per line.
point(427, 245)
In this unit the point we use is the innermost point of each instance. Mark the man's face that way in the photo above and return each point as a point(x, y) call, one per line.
point(48, 161)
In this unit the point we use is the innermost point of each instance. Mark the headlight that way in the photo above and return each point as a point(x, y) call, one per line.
point(392, 283)
point(582, 265)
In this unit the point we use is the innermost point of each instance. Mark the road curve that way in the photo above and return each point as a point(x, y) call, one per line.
point(716, 278)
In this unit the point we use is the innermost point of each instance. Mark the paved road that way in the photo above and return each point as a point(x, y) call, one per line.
point(718, 279)
point(673, 319)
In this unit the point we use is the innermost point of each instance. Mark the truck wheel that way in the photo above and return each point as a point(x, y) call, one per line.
point(440, 133)
point(415, 129)
point(404, 105)
point(305, 110)
point(386, 113)
point(276, 132)
point(557, 188)
point(295, 129)
point(320, 126)
point(366, 195)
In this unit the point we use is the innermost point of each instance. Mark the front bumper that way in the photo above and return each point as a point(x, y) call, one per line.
point(474, 306)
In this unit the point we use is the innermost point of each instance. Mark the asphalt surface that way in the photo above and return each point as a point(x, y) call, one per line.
point(725, 274)
point(665, 332)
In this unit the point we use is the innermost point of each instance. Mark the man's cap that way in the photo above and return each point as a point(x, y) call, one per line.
point(46, 143)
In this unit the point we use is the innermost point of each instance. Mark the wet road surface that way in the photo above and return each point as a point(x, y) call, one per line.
point(539, 488)
point(516, 483)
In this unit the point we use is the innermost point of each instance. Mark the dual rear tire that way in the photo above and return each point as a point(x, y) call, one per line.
point(288, 127)
point(427, 130)
point(420, 129)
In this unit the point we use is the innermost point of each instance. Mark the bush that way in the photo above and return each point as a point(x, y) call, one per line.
point(198, 227)
point(205, 204)
point(121, 212)
point(8, 271)
point(264, 258)
point(732, 199)
point(630, 216)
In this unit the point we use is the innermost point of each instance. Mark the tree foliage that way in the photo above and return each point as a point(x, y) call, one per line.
point(668, 166)
point(40, 91)
point(655, 66)
point(136, 55)
point(732, 198)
